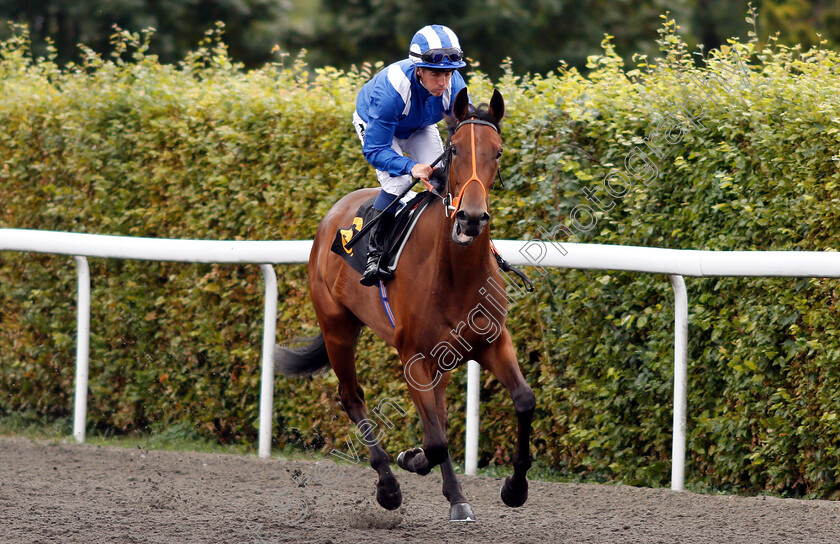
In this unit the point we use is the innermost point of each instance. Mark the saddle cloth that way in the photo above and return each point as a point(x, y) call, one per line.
point(411, 206)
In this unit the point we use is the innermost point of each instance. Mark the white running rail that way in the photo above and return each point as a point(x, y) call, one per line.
point(673, 262)
point(81, 246)
point(676, 263)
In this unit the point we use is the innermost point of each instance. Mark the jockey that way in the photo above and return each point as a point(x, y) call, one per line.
point(397, 112)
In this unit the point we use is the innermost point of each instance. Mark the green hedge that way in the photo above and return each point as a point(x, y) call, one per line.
point(127, 146)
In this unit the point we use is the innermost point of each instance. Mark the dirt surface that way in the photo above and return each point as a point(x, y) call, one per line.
point(56, 493)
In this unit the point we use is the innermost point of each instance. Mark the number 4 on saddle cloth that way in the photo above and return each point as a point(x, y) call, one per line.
point(410, 208)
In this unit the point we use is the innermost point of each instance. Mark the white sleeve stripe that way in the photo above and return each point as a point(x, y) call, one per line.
point(401, 84)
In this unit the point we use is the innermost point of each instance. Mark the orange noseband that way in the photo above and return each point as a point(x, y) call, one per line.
point(456, 203)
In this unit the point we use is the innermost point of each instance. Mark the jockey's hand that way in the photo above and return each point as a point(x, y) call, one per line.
point(422, 171)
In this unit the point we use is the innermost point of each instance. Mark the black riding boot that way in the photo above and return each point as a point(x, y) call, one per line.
point(376, 249)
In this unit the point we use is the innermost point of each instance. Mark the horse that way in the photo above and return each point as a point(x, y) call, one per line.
point(439, 279)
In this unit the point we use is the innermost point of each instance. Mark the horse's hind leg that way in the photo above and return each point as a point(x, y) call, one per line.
point(340, 329)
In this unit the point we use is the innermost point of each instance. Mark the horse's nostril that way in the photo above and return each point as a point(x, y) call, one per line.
point(461, 215)
point(485, 217)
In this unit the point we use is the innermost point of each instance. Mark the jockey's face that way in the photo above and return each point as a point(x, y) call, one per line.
point(435, 81)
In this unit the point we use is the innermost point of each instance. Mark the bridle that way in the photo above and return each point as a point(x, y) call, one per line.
point(451, 204)
point(447, 200)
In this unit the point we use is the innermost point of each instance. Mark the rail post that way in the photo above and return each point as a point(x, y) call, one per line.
point(82, 348)
point(680, 382)
point(267, 378)
point(471, 440)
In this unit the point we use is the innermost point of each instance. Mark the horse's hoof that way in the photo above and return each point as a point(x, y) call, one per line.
point(461, 512)
point(405, 457)
point(389, 499)
point(513, 495)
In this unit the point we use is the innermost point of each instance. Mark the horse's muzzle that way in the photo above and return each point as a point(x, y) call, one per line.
point(466, 226)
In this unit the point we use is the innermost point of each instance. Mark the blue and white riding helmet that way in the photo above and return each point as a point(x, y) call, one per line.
point(437, 47)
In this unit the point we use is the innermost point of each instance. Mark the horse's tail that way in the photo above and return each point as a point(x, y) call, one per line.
point(303, 361)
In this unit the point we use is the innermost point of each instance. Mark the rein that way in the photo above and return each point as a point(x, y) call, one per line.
point(447, 200)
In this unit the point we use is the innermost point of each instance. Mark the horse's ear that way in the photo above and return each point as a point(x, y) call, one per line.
point(461, 107)
point(497, 105)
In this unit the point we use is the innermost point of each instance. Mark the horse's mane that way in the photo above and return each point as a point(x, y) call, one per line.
point(481, 112)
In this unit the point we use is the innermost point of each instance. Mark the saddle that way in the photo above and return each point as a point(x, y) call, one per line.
point(410, 208)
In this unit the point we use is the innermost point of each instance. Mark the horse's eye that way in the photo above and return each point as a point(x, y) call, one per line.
point(499, 155)
point(454, 150)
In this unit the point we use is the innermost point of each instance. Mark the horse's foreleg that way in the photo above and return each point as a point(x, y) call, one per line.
point(459, 507)
point(435, 449)
point(501, 361)
point(431, 405)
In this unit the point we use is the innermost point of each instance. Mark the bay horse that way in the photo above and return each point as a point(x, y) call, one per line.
point(438, 281)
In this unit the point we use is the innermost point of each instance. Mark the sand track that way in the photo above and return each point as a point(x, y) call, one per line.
point(57, 493)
